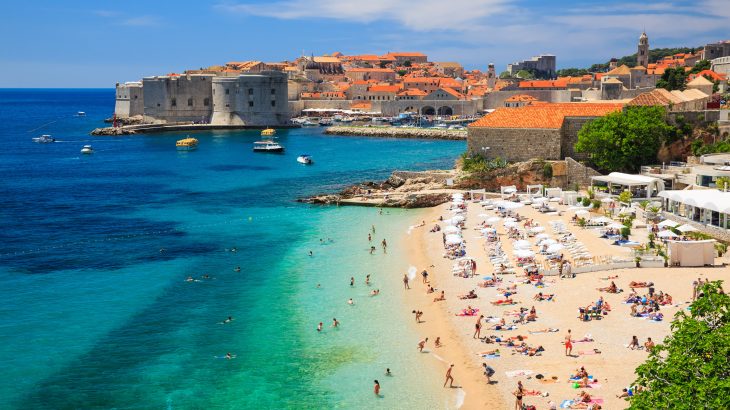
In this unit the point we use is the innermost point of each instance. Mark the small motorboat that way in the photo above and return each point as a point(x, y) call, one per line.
point(87, 150)
point(267, 146)
point(44, 139)
point(305, 159)
point(81, 114)
point(187, 144)
point(268, 132)
point(325, 122)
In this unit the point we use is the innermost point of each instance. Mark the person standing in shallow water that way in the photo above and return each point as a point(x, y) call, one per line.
point(405, 282)
point(376, 388)
point(449, 377)
point(385, 246)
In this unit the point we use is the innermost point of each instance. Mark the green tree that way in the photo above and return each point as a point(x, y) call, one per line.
point(572, 72)
point(723, 183)
point(673, 79)
point(625, 197)
point(407, 63)
point(700, 66)
point(624, 141)
point(402, 72)
point(690, 369)
point(505, 74)
point(524, 74)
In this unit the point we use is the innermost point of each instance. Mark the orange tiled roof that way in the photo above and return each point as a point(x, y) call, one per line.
point(715, 76)
point(559, 83)
point(521, 98)
point(543, 115)
point(453, 92)
point(384, 89)
point(449, 82)
point(414, 92)
point(370, 70)
point(406, 54)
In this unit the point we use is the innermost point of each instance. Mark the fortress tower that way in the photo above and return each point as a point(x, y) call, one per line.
point(642, 56)
point(491, 77)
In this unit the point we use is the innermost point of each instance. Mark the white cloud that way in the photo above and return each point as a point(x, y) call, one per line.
point(421, 15)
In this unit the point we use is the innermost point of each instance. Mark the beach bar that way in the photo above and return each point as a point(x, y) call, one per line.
point(640, 186)
point(703, 206)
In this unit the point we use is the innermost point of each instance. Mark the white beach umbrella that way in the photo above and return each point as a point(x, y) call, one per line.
point(607, 200)
point(493, 219)
point(539, 200)
point(488, 231)
point(668, 223)
point(666, 234)
point(457, 211)
point(615, 225)
point(449, 222)
point(524, 253)
point(508, 204)
point(522, 244)
point(510, 219)
point(581, 212)
point(556, 247)
point(602, 220)
point(451, 229)
point(687, 228)
point(453, 239)
point(537, 229)
point(510, 190)
point(457, 218)
point(511, 225)
point(548, 242)
point(542, 236)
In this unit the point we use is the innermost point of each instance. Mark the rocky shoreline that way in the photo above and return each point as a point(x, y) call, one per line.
point(425, 190)
point(395, 132)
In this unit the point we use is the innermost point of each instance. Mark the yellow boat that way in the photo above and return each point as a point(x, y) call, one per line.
point(268, 132)
point(187, 144)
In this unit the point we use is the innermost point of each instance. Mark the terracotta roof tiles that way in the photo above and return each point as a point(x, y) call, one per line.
point(543, 115)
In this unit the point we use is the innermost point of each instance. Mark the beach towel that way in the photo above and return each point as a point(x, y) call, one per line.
point(572, 379)
point(491, 356)
point(465, 313)
point(588, 352)
point(515, 373)
point(597, 401)
point(566, 404)
point(544, 331)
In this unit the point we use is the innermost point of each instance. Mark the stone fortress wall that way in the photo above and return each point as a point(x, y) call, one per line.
point(257, 99)
point(515, 144)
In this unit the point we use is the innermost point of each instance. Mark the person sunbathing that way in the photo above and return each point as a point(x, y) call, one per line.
point(440, 298)
point(634, 343)
point(634, 284)
point(501, 325)
point(494, 352)
point(612, 288)
point(532, 316)
point(506, 301)
point(470, 295)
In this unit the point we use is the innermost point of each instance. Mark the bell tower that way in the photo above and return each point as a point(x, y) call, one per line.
point(642, 56)
point(491, 77)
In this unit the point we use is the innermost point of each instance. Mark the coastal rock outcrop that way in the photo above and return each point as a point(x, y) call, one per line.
point(112, 131)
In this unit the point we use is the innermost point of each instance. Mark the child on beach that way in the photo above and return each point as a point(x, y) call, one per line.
point(422, 344)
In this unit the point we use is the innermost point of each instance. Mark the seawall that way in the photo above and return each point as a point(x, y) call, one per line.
point(394, 132)
point(153, 128)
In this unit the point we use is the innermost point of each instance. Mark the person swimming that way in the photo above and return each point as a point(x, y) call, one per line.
point(387, 372)
point(229, 320)
point(319, 327)
point(375, 292)
point(237, 269)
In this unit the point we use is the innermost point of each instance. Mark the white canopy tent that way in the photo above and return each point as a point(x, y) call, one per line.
point(640, 186)
point(704, 206)
point(508, 190)
point(534, 191)
point(553, 192)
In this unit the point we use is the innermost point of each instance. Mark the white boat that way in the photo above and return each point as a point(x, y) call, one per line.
point(81, 114)
point(308, 123)
point(44, 139)
point(267, 146)
point(87, 149)
point(456, 127)
point(305, 159)
point(440, 126)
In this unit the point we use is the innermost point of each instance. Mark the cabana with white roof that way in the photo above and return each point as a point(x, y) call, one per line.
point(704, 206)
point(640, 186)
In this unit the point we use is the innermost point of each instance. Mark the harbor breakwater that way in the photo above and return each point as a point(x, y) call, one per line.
point(396, 132)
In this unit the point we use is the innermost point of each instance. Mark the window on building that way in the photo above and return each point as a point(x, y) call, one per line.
point(250, 91)
point(273, 91)
point(273, 103)
point(173, 102)
point(190, 102)
point(206, 101)
point(250, 103)
point(227, 91)
point(228, 105)
point(135, 97)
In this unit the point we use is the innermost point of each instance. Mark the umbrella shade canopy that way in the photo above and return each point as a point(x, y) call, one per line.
point(457, 195)
point(602, 220)
point(581, 212)
point(556, 247)
point(488, 231)
point(541, 236)
point(548, 242)
point(453, 239)
point(508, 204)
point(524, 253)
point(687, 228)
point(451, 229)
point(449, 221)
point(666, 234)
point(510, 190)
point(522, 244)
point(668, 223)
point(537, 229)
point(457, 218)
point(606, 200)
point(510, 224)
point(510, 219)
point(493, 219)
point(615, 225)
point(539, 200)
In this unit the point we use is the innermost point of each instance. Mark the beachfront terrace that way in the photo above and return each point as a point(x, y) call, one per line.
point(641, 187)
point(704, 208)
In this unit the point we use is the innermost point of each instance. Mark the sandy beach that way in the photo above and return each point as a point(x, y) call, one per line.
point(612, 368)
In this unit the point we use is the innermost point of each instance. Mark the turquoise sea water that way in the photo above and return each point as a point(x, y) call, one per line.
point(95, 315)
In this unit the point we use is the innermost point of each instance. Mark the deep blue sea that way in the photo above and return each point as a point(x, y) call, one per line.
point(95, 309)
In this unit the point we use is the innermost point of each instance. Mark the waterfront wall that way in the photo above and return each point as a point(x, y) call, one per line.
point(496, 99)
point(169, 99)
point(515, 144)
point(393, 132)
point(250, 99)
point(129, 100)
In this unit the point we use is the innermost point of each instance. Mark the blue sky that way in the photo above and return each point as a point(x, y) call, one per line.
point(97, 43)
